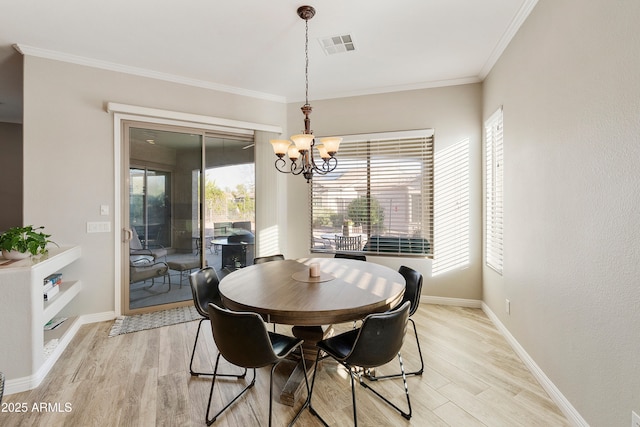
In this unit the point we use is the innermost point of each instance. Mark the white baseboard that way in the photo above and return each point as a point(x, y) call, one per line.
point(18, 385)
point(97, 317)
point(458, 302)
point(565, 406)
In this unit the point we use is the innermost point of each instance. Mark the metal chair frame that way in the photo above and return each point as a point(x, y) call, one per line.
point(412, 294)
point(200, 300)
point(1, 386)
point(354, 360)
point(253, 355)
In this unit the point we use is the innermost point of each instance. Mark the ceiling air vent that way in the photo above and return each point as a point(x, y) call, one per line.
point(337, 44)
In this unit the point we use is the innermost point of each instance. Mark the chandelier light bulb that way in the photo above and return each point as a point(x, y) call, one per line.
point(331, 144)
point(303, 141)
point(293, 152)
point(323, 152)
point(280, 146)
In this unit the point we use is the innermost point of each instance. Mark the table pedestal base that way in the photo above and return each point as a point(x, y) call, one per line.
point(292, 370)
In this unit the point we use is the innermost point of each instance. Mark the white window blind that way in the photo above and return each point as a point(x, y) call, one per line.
point(452, 208)
point(380, 195)
point(494, 191)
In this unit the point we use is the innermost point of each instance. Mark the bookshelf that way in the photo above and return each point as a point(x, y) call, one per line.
point(27, 351)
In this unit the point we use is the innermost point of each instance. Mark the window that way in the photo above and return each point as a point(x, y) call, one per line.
point(379, 200)
point(494, 194)
point(451, 208)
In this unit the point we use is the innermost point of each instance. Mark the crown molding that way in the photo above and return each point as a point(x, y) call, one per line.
point(141, 72)
point(509, 33)
point(397, 88)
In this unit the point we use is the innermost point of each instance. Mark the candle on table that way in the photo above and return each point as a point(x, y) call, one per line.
point(314, 269)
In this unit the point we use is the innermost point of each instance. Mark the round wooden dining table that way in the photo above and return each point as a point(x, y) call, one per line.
point(283, 292)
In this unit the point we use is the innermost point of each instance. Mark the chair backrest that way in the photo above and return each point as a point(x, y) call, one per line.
point(204, 287)
point(349, 243)
point(135, 244)
point(413, 288)
point(350, 256)
point(269, 258)
point(241, 337)
point(245, 225)
point(379, 338)
point(241, 236)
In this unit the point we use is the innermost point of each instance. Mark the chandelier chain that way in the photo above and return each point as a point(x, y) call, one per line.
point(306, 61)
point(301, 152)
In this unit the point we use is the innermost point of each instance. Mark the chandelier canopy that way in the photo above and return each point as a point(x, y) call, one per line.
point(301, 151)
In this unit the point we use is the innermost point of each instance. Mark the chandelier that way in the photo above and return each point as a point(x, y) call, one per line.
point(301, 151)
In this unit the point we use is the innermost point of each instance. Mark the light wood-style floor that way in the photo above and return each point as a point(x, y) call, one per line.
point(472, 378)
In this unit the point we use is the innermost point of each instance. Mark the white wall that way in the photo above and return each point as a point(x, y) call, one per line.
point(570, 86)
point(454, 113)
point(69, 154)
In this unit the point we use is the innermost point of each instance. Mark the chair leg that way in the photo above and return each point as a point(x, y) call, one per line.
point(213, 382)
point(306, 381)
point(418, 372)
point(307, 403)
point(193, 352)
point(353, 397)
point(406, 415)
point(153, 282)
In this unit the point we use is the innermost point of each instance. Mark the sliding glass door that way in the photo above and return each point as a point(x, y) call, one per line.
point(169, 230)
point(150, 206)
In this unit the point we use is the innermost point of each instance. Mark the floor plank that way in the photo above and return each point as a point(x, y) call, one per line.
point(472, 378)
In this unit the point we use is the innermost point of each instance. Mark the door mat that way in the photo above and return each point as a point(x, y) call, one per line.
point(157, 319)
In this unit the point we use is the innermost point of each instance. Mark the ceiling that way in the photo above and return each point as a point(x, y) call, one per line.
point(256, 47)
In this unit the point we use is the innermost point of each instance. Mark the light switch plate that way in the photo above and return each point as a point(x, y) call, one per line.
point(99, 227)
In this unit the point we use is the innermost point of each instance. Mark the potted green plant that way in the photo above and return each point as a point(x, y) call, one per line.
point(21, 242)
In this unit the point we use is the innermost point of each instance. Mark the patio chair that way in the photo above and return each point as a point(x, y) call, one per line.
point(145, 267)
point(348, 243)
point(136, 247)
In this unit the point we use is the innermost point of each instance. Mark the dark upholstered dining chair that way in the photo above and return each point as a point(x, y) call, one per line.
point(357, 257)
point(375, 343)
point(412, 293)
point(268, 258)
point(243, 340)
point(1, 386)
point(204, 288)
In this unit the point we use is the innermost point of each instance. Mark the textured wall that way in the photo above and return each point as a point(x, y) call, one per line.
point(571, 95)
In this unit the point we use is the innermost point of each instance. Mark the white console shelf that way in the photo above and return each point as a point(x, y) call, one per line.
point(23, 314)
